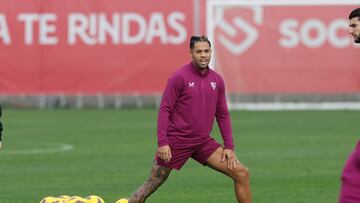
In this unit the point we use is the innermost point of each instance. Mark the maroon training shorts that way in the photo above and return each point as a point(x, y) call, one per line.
point(199, 152)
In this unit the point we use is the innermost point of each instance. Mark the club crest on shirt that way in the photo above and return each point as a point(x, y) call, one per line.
point(213, 85)
point(191, 84)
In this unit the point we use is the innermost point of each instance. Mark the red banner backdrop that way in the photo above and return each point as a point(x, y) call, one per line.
point(108, 46)
point(119, 46)
point(287, 49)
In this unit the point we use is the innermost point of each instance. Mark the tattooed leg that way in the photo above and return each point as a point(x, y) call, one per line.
point(157, 177)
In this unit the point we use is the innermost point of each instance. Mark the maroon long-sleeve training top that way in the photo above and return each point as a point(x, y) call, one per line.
point(190, 102)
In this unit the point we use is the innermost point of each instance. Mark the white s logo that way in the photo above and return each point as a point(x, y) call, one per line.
point(232, 29)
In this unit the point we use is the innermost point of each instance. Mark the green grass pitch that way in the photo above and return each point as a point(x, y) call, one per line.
point(293, 156)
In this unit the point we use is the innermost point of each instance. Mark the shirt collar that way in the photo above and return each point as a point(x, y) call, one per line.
point(197, 71)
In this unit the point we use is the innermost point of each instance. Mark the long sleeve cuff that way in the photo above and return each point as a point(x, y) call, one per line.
point(162, 143)
point(229, 146)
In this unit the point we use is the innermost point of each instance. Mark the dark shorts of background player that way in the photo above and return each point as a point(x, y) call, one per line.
point(199, 152)
point(1, 127)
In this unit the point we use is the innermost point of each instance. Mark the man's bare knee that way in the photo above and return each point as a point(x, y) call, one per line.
point(241, 174)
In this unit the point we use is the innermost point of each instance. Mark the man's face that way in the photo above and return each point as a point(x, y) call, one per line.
point(201, 54)
point(354, 28)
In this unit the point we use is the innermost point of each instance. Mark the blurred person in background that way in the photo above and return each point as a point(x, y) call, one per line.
point(354, 24)
point(193, 97)
point(350, 179)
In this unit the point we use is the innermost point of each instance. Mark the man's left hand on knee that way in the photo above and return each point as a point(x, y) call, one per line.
point(231, 158)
